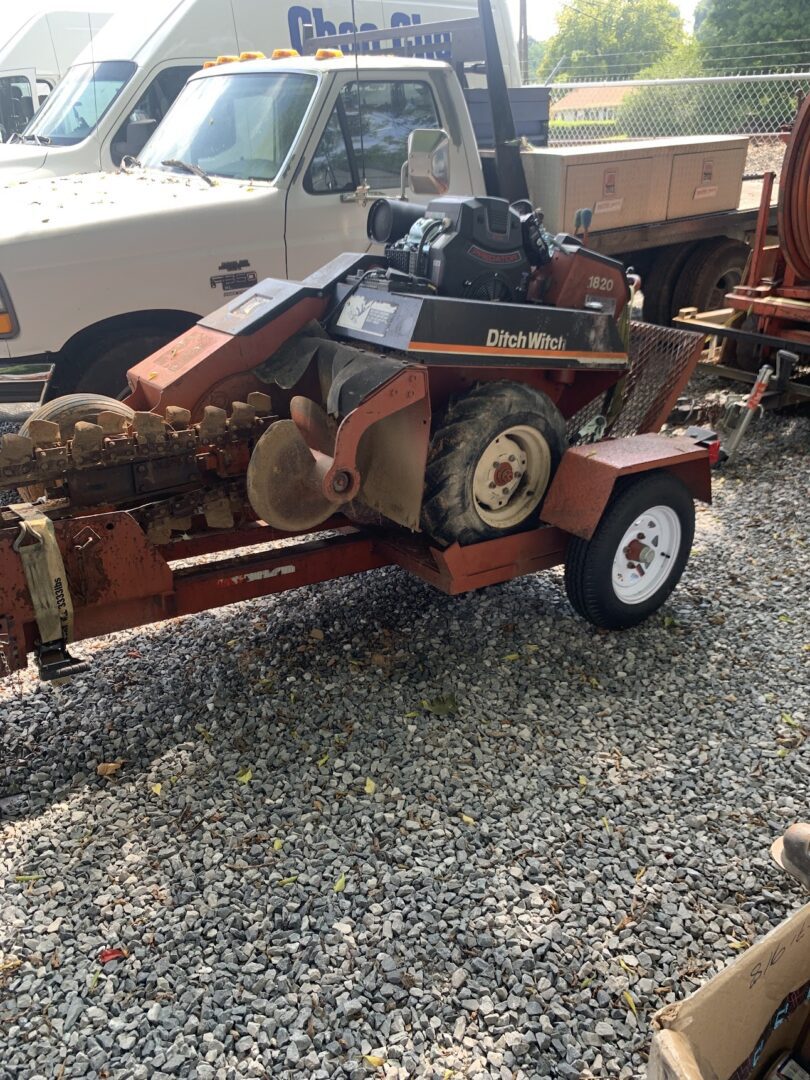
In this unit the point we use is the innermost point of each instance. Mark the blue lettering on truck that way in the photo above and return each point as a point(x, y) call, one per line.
point(298, 17)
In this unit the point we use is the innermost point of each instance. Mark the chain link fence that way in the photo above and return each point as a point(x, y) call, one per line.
point(756, 105)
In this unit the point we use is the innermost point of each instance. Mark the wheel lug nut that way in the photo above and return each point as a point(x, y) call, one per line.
point(492, 486)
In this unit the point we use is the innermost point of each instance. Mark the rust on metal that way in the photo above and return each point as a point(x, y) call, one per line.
point(584, 482)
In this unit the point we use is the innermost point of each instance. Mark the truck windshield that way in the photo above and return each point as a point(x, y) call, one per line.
point(240, 126)
point(80, 100)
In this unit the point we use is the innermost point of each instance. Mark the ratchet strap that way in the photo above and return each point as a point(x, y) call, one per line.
point(45, 574)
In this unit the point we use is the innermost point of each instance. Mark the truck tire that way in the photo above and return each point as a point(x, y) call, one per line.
point(101, 365)
point(636, 557)
point(67, 412)
point(490, 463)
point(712, 270)
point(658, 284)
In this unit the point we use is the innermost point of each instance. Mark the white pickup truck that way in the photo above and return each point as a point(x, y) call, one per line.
point(254, 173)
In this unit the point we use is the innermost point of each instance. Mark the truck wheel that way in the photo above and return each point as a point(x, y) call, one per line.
point(636, 557)
point(490, 463)
point(658, 284)
point(101, 366)
point(712, 270)
point(67, 412)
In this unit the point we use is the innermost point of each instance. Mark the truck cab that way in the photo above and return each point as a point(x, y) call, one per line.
point(262, 168)
point(120, 88)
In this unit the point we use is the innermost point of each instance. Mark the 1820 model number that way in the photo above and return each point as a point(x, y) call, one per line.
point(601, 284)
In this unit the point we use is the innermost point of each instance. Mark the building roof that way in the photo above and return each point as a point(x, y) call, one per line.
point(591, 97)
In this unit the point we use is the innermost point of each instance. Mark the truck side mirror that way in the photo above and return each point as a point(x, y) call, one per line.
point(138, 134)
point(429, 161)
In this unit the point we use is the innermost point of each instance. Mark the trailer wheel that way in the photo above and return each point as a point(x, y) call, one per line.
point(490, 463)
point(636, 557)
point(712, 270)
point(67, 411)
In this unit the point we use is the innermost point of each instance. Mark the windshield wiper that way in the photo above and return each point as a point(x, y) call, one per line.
point(187, 166)
point(38, 140)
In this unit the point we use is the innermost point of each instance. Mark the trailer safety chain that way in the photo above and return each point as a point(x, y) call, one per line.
point(48, 589)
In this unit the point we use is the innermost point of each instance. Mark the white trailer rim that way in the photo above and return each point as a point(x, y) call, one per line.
point(511, 476)
point(646, 555)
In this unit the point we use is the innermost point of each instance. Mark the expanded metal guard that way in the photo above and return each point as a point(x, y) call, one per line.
point(662, 360)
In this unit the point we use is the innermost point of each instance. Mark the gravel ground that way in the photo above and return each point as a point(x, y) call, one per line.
point(368, 830)
point(764, 155)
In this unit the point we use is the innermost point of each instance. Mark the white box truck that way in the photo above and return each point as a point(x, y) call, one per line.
point(121, 86)
point(36, 51)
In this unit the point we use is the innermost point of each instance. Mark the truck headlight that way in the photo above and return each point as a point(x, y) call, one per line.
point(9, 327)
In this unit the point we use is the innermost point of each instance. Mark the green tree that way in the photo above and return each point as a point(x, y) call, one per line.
point(537, 51)
point(741, 35)
point(598, 38)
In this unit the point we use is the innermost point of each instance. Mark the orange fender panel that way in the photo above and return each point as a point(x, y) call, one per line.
point(583, 484)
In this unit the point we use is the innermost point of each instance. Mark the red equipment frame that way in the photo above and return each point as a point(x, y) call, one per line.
point(117, 579)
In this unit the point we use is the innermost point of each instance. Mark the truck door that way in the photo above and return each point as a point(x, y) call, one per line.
point(18, 101)
point(359, 136)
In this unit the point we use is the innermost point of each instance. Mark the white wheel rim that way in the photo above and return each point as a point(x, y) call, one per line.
point(646, 555)
point(511, 476)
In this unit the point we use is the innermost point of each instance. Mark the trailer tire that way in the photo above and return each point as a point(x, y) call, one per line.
point(602, 581)
point(67, 411)
point(463, 464)
point(712, 270)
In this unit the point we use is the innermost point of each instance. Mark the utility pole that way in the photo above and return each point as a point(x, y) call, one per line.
point(523, 43)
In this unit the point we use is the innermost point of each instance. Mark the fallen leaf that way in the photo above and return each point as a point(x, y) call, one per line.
point(323, 760)
point(106, 955)
point(370, 786)
point(245, 776)
point(467, 819)
point(669, 622)
point(788, 719)
point(628, 997)
point(340, 884)
point(583, 781)
point(201, 731)
point(94, 980)
point(157, 788)
point(108, 768)
point(606, 824)
point(9, 965)
point(27, 877)
point(512, 656)
point(734, 944)
point(277, 844)
point(374, 1060)
point(586, 983)
point(316, 635)
point(532, 648)
point(288, 880)
point(441, 706)
point(411, 715)
point(625, 966)
point(642, 870)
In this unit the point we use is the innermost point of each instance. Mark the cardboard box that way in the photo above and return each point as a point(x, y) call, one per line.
point(636, 183)
point(735, 1026)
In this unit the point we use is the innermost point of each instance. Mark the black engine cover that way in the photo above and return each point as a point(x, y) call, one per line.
point(469, 248)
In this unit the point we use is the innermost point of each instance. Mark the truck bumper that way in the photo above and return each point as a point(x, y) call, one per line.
point(24, 380)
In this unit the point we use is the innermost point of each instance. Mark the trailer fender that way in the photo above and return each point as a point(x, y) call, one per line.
point(587, 475)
